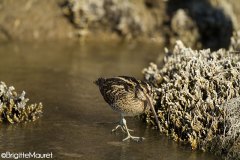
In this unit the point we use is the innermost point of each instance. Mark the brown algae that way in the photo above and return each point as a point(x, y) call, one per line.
point(14, 108)
point(197, 98)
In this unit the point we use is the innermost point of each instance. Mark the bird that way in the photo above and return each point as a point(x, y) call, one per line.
point(128, 97)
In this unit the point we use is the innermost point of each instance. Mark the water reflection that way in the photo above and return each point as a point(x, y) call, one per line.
point(77, 122)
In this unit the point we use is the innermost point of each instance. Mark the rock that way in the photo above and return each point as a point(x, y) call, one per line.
point(235, 42)
point(194, 91)
point(14, 108)
point(128, 19)
point(210, 25)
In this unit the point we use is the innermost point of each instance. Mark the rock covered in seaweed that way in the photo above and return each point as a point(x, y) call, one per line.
point(235, 41)
point(184, 27)
point(193, 88)
point(128, 19)
point(230, 140)
point(14, 108)
point(200, 24)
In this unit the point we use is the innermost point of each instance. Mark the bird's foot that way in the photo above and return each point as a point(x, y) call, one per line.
point(123, 128)
point(123, 125)
point(137, 139)
point(115, 129)
point(130, 130)
point(126, 130)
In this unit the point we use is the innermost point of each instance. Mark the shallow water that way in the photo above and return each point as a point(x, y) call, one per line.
point(76, 123)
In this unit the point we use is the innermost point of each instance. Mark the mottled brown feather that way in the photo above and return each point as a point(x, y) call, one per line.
point(125, 95)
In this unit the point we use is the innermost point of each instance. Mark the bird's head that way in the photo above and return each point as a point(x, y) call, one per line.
point(99, 81)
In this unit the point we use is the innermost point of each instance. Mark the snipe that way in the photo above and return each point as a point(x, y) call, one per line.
point(129, 97)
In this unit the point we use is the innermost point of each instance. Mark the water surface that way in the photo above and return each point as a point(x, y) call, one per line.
point(76, 123)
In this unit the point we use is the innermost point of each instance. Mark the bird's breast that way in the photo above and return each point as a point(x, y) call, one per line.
point(128, 105)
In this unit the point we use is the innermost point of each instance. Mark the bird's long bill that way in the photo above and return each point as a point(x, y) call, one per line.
point(154, 112)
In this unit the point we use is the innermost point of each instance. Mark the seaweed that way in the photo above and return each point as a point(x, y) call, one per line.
point(235, 42)
point(197, 93)
point(14, 108)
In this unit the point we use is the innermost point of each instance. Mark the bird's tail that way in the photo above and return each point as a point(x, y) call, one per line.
point(99, 81)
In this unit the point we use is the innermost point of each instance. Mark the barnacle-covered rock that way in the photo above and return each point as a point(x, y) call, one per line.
point(184, 27)
point(230, 139)
point(128, 19)
point(194, 88)
point(200, 24)
point(235, 41)
point(14, 108)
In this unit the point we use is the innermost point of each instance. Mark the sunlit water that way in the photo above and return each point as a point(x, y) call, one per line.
point(76, 123)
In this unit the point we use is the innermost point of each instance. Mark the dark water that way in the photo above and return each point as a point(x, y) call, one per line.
point(76, 123)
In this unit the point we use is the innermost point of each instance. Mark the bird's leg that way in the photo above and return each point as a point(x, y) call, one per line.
point(121, 125)
point(124, 122)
